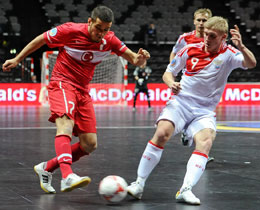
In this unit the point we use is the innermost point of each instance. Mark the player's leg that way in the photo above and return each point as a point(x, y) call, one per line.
point(169, 122)
point(45, 169)
point(148, 98)
point(204, 131)
point(62, 105)
point(77, 152)
point(69, 180)
point(185, 140)
point(85, 128)
point(63, 151)
point(137, 91)
point(151, 157)
point(211, 158)
point(76, 149)
point(87, 144)
point(62, 144)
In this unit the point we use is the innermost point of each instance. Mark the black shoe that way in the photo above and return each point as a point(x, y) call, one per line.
point(210, 159)
point(184, 139)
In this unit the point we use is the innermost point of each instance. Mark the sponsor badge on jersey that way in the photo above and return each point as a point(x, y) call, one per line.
point(217, 63)
point(123, 45)
point(53, 32)
point(173, 62)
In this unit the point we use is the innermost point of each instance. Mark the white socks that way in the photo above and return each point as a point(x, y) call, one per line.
point(195, 168)
point(152, 155)
point(150, 158)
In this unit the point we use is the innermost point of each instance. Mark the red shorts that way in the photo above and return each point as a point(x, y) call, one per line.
point(65, 99)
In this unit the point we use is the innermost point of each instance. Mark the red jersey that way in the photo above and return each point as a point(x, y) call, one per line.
point(78, 55)
point(186, 38)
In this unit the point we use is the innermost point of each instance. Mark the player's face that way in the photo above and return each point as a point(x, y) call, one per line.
point(199, 21)
point(98, 29)
point(213, 40)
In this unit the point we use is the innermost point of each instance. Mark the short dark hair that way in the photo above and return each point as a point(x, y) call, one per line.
point(104, 13)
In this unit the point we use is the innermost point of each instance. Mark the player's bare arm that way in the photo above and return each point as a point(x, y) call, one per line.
point(169, 80)
point(249, 58)
point(27, 50)
point(137, 59)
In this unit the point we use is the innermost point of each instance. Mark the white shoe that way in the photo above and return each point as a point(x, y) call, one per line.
point(135, 190)
point(134, 109)
point(150, 109)
point(187, 196)
point(73, 181)
point(45, 178)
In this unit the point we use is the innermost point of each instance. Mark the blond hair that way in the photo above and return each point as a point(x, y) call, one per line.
point(203, 11)
point(217, 23)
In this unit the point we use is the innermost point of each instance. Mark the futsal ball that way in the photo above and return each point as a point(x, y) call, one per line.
point(113, 188)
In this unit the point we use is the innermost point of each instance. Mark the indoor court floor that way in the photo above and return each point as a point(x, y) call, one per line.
point(231, 182)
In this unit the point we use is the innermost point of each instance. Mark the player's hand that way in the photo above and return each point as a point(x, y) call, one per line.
point(142, 56)
point(9, 64)
point(236, 37)
point(176, 88)
point(145, 54)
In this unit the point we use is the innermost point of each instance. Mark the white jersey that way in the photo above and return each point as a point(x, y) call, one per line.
point(205, 75)
point(186, 38)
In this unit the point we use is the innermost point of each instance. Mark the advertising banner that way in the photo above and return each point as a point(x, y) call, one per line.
point(20, 93)
point(118, 94)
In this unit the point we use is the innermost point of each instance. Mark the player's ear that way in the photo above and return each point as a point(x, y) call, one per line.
point(90, 20)
point(225, 36)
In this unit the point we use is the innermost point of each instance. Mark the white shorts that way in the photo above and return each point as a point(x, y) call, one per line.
point(189, 118)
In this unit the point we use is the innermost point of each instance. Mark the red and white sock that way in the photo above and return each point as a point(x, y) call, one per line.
point(64, 155)
point(77, 152)
point(150, 158)
point(195, 168)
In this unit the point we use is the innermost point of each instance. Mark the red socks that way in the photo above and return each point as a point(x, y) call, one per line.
point(77, 152)
point(64, 155)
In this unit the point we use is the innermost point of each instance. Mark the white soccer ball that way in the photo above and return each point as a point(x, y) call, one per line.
point(113, 188)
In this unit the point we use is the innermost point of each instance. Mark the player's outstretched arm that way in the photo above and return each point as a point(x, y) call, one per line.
point(28, 49)
point(249, 58)
point(137, 59)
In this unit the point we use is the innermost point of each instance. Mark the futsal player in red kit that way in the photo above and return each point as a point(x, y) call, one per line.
point(81, 47)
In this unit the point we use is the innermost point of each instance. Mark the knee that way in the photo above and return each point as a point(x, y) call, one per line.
point(204, 145)
point(89, 144)
point(92, 146)
point(64, 126)
point(162, 136)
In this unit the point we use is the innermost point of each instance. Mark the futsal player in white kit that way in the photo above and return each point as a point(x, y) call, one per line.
point(200, 16)
point(206, 69)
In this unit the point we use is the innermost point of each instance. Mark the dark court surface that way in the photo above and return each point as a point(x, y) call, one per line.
point(231, 182)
